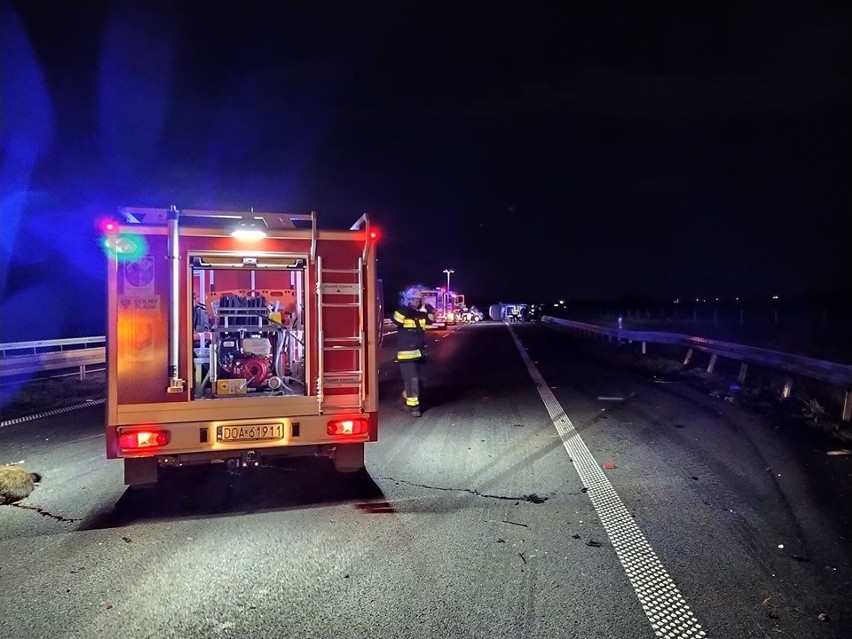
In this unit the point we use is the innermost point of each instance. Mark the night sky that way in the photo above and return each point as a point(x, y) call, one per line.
point(541, 150)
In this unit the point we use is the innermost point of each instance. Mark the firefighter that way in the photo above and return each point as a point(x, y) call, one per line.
point(412, 317)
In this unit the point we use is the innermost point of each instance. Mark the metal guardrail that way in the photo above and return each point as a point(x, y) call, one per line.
point(26, 358)
point(831, 372)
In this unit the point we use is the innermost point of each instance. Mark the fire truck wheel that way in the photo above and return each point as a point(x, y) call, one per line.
point(349, 458)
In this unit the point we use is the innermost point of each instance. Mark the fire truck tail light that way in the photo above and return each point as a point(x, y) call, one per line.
point(348, 427)
point(136, 439)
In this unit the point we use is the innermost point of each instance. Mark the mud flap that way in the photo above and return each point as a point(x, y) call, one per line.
point(349, 458)
point(142, 471)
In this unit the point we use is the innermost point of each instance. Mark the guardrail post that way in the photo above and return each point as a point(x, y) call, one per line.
point(688, 357)
point(846, 415)
point(712, 363)
point(788, 388)
point(743, 370)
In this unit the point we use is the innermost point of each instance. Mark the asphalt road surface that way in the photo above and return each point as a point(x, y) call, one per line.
point(545, 492)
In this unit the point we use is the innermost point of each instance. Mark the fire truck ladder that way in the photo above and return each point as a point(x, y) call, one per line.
point(334, 343)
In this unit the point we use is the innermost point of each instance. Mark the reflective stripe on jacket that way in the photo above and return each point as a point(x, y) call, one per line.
point(410, 337)
point(407, 322)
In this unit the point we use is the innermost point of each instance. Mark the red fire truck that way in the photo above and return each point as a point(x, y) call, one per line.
point(235, 337)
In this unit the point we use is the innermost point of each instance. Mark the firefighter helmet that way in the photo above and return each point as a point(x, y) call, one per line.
point(411, 294)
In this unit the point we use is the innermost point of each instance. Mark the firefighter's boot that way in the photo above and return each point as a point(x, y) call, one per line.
point(412, 404)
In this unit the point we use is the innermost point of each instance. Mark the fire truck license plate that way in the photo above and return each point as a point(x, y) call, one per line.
point(254, 432)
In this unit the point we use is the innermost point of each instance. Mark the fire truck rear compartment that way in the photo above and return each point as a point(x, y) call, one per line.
point(248, 341)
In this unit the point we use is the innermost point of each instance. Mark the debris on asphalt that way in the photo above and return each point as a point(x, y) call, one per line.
point(842, 451)
point(767, 603)
point(609, 465)
point(823, 617)
point(593, 543)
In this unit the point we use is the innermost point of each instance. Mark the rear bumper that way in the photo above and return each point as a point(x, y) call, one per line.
point(197, 442)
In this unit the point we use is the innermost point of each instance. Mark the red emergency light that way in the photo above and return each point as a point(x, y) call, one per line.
point(107, 225)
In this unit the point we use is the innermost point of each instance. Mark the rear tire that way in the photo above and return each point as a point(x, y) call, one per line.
point(349, 458)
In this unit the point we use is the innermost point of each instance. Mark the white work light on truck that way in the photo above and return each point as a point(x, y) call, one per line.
point(248, 230)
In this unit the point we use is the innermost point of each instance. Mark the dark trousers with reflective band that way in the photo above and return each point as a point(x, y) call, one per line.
point(410, 371)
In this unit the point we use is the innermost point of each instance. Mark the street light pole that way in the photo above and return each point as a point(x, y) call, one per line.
point(448, 271)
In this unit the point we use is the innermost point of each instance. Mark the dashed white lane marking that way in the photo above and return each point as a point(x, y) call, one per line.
point(663, 604)
point(57, 411)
